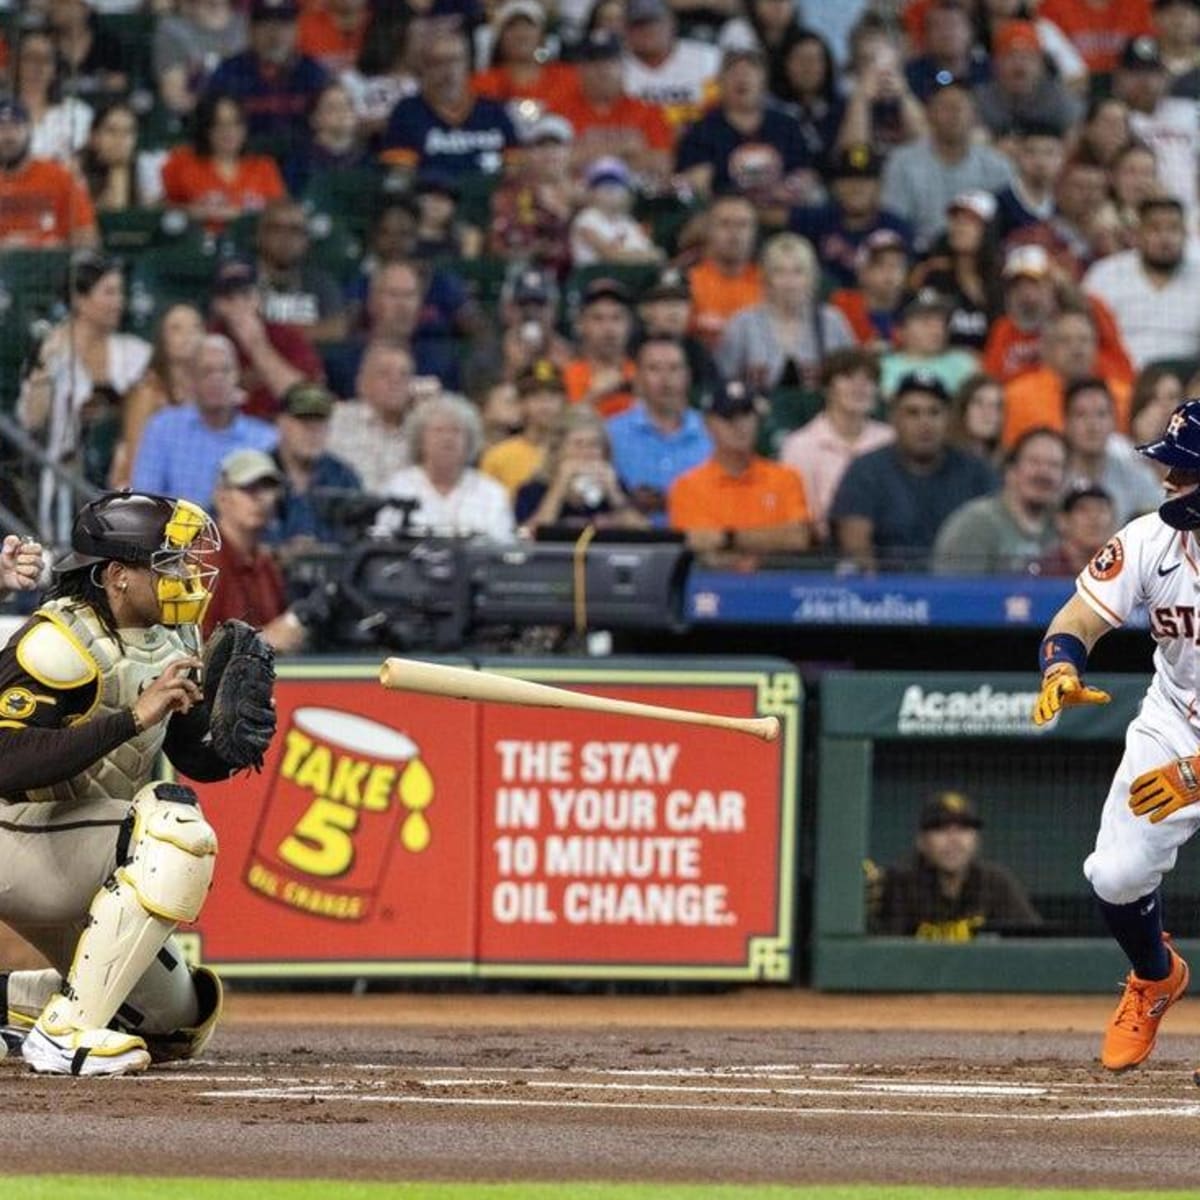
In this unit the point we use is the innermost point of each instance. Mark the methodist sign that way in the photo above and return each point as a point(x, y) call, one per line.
point(400, 834)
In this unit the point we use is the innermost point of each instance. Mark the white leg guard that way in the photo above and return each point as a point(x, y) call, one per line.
point(25, 994)
point(172, 854)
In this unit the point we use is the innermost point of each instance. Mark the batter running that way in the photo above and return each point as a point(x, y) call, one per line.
point(1153, 806)
point(99, 861)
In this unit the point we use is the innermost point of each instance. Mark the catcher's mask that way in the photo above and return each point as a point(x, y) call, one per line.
point(175, 539)
point(1179, 450)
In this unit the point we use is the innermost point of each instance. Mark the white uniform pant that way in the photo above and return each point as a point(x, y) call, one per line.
point(1132, 855)
point(54, 858)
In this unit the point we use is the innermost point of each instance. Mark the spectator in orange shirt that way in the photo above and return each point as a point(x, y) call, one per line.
point(1099, 29)
point(726, 279)
point(1068, 355)
point(212, 178)
point(41, 202)
point(333, 32)
point(738, 504)
point(872, 309)
point(607, 121)
point(517, 69)
point(601, 374)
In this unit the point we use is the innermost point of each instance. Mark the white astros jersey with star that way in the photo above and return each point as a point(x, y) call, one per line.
point(1151, 565)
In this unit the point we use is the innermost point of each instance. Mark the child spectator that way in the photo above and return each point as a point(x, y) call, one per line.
point(604, 231)
point(871, 308)
point(542, 400)
point(440, 233)
point(922, 344)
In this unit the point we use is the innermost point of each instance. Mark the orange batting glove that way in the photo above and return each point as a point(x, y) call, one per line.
point(1062, 688)
point(1159, 793)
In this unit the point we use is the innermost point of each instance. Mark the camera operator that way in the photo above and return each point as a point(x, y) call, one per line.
point(250, 584)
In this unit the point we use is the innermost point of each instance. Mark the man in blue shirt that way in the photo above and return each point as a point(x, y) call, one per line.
point(181, 450)
point(306, 467)
point(446, 126)
point(275, 85)
point(660, 437)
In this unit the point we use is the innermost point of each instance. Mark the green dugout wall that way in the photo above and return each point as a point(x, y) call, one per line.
point(887, 741)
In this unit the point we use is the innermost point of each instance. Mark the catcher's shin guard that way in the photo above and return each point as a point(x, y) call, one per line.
point(165, 880)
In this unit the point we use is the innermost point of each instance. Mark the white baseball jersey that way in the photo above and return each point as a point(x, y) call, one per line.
point(1150, 564)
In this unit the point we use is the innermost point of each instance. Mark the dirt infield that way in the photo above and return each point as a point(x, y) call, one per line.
point(752, 1086)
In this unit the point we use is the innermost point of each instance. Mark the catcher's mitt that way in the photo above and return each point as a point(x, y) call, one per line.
point(239, 674)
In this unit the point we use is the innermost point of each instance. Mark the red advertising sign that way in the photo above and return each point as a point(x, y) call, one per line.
point(406, 834)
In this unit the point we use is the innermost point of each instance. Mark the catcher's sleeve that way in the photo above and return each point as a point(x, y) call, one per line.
point(188, 750)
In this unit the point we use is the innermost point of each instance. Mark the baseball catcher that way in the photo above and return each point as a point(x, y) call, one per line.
point(1152, 808)
point(101, 860)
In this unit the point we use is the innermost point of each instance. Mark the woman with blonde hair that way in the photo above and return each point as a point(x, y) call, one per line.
point(169, 379)
point(577, 484)
point(783, 341)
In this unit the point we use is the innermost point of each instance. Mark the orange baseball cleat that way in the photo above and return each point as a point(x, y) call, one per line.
point(1132, 1029)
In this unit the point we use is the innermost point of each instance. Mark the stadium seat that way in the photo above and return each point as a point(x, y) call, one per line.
point(483, 276)
point(789, 409)
point(135, 229)
point(352, 196)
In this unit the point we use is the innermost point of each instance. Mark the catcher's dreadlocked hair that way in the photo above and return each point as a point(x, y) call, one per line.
point(81, 587)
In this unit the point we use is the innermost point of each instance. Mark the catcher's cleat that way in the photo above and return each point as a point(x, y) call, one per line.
point(1132, 1029)
point(11, 1039)
point(56, 1048)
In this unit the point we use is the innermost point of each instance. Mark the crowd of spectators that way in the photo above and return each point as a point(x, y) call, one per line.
point(886, 285)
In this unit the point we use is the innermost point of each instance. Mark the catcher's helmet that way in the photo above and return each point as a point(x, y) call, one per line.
point(1179, 449)
point(173, 538)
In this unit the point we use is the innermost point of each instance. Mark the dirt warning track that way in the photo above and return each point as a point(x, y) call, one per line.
point(536, 1088)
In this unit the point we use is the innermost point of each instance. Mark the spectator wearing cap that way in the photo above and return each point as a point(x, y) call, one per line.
point(250, 586)
point(1099, 29)
point(306, 466)
point(921, 179)
point(295, 291)
point(519, 66)
point(839, 229)
point(665, 310)
point(962, 266)
point(332, 33)
point(950, 48)
point(42, 204)
point(676, 74)
point(542, 400)
point(92, 57)
point(1177, 28)
point(871, 308)
point(1169, 125)
point(1021, 87)
point(1095, 455)
point(271, 357)
point(882, 111)
point(890, 503)
point(842, 431)
point(738, 505)
point(660, 437)
point(601, 372)
point(747, 141)
point(1151, 289)
point(531, 211)
point(1069, 349)
point(334, 140)
point(446, 125)
point(188, 43)
point(214, 178)
point(368, 430)
point(1004, 534)
point(727, 278)
point(781, 342)
point(182, 447)
point(442, 233)
point(922, 344)
point(947, 892)
point(1031, 298)
point(1037, 152)
point(1085, 522)
point(273, 83)
point(608, 121)
point(604, 230)
point(453, 498)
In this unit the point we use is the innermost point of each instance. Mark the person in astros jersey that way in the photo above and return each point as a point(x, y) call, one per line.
point(1152, 807)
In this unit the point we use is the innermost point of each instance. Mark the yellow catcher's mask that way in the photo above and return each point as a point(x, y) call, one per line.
point(184, 573)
